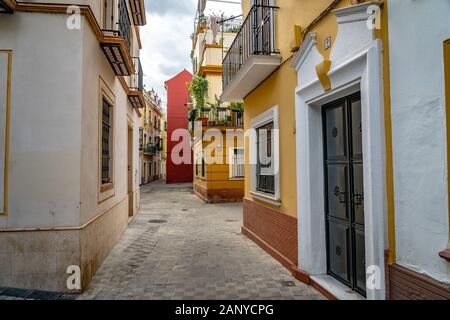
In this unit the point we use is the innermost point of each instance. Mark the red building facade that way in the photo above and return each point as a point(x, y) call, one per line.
point(177, 118)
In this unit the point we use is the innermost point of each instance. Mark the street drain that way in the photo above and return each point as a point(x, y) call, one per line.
point(287, 284)
point(184, 210)
point(157, 221)
point(230, 220)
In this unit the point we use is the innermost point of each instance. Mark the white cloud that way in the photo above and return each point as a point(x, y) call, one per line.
point(166, 38)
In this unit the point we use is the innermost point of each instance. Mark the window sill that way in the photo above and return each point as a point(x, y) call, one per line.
point(106, 187)
point(237, 179)
point(445, 254)
point(266, 198)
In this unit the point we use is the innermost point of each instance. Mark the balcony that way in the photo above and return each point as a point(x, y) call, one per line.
point(138, 12)
point(150, 150)
point(116, 43)
point(7, 6)
point(136, 91)
point(217, 118)
point(253, 56)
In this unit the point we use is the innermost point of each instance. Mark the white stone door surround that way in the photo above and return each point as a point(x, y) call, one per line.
point(356, 66)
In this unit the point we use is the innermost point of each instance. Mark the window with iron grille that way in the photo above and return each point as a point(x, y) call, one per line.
point(203, 167)
point(237, 163)
point(141, 139)
point(106, 142)
point(265, 182)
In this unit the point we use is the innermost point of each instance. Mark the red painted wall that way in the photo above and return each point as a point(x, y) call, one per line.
point(177, 118)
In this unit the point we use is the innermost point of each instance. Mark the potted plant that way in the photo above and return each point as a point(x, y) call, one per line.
point(204, 116)
point(198, 90)
point(238, 111)
point(215, 106)
point(202, 24)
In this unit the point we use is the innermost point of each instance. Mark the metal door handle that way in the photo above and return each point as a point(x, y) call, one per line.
point(357, 199)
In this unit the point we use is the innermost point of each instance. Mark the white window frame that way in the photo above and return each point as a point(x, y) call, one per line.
point(106, 191)
point(270, 115)
point(230, 162)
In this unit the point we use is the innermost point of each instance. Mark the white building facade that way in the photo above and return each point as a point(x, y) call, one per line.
point(419, 78)
point(70, 93)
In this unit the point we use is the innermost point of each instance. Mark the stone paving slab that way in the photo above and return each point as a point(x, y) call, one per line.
point(181, 248)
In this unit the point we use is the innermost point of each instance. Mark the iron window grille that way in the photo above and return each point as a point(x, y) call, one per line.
point(237, 164)
point(196, 168)
point(265, 182)
point(106, 141)
point(203, 167)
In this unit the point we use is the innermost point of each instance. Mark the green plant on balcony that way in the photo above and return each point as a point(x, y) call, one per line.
point(150, 149)
point(198, 90)
point(215, 106)
point(237, 106)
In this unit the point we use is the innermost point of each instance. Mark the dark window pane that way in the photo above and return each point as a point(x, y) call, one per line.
point(339, 239)
point(356, 128)
point(337, 191)
point(335, 133)
point(106, 142)
point(203, 167)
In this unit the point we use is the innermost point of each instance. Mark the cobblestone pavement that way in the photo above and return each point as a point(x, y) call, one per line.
point(180, 248)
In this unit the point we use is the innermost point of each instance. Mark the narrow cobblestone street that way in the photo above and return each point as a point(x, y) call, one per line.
point(180, 248)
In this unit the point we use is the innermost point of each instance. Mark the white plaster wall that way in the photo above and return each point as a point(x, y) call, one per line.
point(96, 5)
point(417, 30)
point(44, 170)
point(95, 66)
point(4, 60)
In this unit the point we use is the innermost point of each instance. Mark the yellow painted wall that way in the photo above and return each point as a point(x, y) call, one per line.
point(217, 175)
point(277, 90)
point(215, 86)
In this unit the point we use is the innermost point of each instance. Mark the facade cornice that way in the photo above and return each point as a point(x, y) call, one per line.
point(359, 12)
point(210, 69)
point(308, 44)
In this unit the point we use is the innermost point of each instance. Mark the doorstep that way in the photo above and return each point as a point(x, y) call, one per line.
point(336, 288)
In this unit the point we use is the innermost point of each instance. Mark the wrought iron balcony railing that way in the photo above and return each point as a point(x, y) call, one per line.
point(115, 52)
point(136, 91)
point(150, 150)
point(137, 79)
point(123, 28)
point(256, 37)
point(219, 117)
point(6, 6)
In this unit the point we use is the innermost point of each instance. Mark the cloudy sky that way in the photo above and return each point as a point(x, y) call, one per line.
point(166, 38)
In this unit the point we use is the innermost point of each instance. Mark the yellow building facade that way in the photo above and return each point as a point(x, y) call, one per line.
point(321, 81)
point(151, 139)
point(218, 162)
point(275, 215)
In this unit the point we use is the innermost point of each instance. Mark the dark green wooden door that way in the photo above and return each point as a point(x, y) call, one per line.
point(344, 193)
